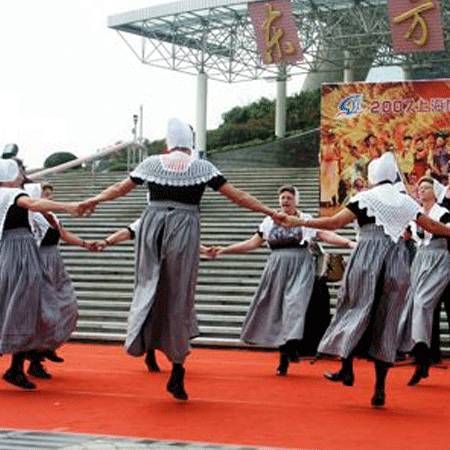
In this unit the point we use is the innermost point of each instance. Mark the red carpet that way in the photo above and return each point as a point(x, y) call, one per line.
point(235, 399)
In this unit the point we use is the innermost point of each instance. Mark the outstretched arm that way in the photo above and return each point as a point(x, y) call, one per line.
point(72, 238)
point(335, 222)
point(242, 247)
point(330, 237)
point(43, 205)
point(112, 192)
point(432, 226)
point(244, 199)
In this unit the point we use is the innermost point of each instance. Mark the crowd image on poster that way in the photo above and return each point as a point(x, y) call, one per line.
point(361, 121)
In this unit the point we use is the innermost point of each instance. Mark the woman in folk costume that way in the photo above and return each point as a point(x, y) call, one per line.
point(376, 279)
point(29, 312)
point(430, 274)
point(276, 317)
point(48, 230)
point(126, 234)
point(167, 247)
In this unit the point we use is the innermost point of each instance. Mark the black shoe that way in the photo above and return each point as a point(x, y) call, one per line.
point(420, 372)
point(18, 379)
point(347, 379)
point(37, 370)
point(175, 385)
point(150, 362)
point(282, 369)
point(52, 356)
point(378, 398)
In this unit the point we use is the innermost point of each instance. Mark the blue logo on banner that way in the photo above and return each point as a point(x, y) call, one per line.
point(350, 106)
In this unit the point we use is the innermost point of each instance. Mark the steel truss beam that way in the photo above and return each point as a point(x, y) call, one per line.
point(219, 39)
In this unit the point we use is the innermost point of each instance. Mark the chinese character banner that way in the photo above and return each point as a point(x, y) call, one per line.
point(416, 26)
point(360, 121)
point(276, 32)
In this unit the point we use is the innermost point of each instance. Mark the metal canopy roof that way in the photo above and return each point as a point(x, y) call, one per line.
point(217, 37)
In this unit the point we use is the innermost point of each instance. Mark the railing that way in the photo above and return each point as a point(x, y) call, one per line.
point(135, 153)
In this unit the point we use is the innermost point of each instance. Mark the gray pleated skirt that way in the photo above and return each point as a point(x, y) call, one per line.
point(167, 257)
point(278, 309)
point(29, 312)
point(67, 301)
point(371, 299)
point(430, 274)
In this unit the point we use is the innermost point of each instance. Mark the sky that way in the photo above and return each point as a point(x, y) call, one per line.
point(69, 83)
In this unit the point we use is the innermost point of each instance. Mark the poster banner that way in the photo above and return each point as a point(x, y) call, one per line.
point(360, 121)
point(276, 32)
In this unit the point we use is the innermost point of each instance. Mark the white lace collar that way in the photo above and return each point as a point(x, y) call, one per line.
point(391, 209)
point(7, 198)
point(175, 169)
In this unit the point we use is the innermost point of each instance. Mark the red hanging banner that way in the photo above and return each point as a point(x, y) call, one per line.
point(416, 26)
point(276, 32)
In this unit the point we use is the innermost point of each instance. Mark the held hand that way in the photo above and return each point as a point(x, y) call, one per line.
point(87, 207)
point(72, 208)
point(90, 245)
point(217, 250)
point(209, 252)
point(100, 245)
point(278, 217)
point(352, 245)
point(289, 221)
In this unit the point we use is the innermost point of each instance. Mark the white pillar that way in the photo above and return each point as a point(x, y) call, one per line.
point(407, 72)
point(349, 75)
point(202, 101)
point(280, 105)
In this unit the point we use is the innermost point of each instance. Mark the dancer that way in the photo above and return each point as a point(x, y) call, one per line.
point(430, 275)
point(125, 234)
point(48, 230)
point(376, 279)
point(276, 317)
point(167, 244)
point(29, 312)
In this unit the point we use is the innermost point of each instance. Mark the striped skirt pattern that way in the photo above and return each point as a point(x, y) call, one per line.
point(29, 312)
point(278, 309)
point(371, 299)
point(430, 274)
point(67, 301)
point(167, 257)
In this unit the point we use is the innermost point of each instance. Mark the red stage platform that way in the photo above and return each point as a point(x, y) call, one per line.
point(235, 398)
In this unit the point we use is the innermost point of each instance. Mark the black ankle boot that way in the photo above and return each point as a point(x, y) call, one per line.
point(420, 372)
point(18, 378)
point(37, 370)
point(379, 398)
point(52, 356)
point(150, 362)
point(344, 377)
point(175, 385)
point(282, 369)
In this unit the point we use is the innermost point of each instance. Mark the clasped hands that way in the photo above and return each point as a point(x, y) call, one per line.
point(82, 209)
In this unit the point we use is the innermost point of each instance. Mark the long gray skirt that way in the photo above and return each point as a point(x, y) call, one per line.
point(167, 257)
point(430, 274)
point(371, 299)
point(29, 312)
point(278, 309)
point(67, 301)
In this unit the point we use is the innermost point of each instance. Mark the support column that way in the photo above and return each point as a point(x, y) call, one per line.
point(407, 72)
point(280, 105)
point(202, 101)
point(349, 74)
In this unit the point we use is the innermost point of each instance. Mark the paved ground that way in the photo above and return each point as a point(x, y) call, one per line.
point(33, 440)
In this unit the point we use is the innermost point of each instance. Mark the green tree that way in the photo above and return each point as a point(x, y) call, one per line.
point(55, 159)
